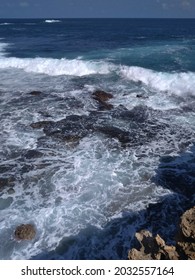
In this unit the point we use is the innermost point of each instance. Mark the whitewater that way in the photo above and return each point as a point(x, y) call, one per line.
point(87, 197)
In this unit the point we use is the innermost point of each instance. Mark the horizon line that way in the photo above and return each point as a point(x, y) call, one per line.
point(96, 17)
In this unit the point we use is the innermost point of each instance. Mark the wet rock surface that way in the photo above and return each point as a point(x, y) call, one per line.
point(102, 96)
point(139, 125)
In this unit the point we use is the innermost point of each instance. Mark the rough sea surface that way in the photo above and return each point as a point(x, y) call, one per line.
point(88, 176)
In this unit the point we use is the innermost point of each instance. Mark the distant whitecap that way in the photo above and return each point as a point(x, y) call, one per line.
point(52, 20)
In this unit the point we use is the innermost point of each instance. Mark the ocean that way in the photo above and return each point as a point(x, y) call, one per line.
point(90, 174)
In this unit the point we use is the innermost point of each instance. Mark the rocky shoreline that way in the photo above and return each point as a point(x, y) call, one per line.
point(155, 248)
point(129, 128)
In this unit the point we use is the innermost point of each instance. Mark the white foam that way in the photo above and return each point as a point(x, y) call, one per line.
point(178, 83)
point(56, 67)
point(52, 20)
point(3, 46)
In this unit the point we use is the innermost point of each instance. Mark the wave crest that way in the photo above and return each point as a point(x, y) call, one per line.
point(178, 83)
point(56, 67)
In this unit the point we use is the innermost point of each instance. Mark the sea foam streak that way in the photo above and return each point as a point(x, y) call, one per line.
point(6, 23)
point(56, 67)
point(178, 83)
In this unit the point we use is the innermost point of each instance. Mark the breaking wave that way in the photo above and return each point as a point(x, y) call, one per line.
point(178, 83)
point(56, 67)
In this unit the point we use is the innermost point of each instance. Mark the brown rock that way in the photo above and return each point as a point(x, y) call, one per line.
point(155, 248)
point(138, 255)
point(188, 223)
point(102, 96)
point(152, 248)
point(25, 232)
point(187, 249)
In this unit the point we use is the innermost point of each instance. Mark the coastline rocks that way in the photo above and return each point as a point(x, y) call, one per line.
point(133, 127)
point(188, 223)
point(152, 248)
point(155, 248)
point(25, 232)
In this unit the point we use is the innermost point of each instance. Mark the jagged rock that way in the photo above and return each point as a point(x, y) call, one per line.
point(188, 223)
point(152, 248)
point(25, 232)
point(187, 250)
point(155, 248)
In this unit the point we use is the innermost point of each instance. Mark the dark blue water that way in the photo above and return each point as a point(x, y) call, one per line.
point(151, 40)
point(89, 182)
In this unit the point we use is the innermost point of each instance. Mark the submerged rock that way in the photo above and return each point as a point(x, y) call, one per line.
point(25, 232)
point(41, 124)
point(31, 154)
point(139, 126)
point(6, 182)
point(35, 93)
point(115, 132)
point(102, 96)
point(105, 106)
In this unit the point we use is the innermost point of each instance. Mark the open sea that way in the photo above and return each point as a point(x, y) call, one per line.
point(86, 174)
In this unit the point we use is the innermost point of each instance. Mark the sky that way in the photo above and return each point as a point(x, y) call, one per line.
point(97, 8)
